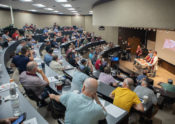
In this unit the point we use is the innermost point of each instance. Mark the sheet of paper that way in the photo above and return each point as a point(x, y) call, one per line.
point(30, 121)
point(114, 110)
point(52, 79)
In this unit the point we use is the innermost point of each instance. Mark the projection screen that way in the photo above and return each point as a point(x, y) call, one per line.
point(165, 45)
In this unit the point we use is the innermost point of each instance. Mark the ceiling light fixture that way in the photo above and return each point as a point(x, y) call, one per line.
point(33, 10)
point(2, 5)
point(61, 13)
point(26, 0)
point(39, 5)
point(61, 1)
point(56, 11)
point(71, 9)
point(66, 5)
point(48, 9)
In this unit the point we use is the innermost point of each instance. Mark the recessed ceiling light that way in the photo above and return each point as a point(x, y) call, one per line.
point(74, 11)
point(2, 5)
point(56, 11)
point(66, 5)
point(71, 9)
point(61, 1)
point(33, 10)
point(38, 5)
point(48, 9)
point(90, 11)
point(26, 0)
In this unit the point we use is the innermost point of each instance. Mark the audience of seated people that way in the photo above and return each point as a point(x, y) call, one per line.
point(106, 77)
point(81, 108)
point(82, 104)
point(125, 98)
point(30, 80)
point(20, 61)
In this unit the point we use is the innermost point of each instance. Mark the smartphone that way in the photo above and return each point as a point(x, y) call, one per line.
point(20, 119)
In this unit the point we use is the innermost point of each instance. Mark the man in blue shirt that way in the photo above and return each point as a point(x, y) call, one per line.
point(84, 108)
point(20, 61)
point(142, 77)
point(48, 57)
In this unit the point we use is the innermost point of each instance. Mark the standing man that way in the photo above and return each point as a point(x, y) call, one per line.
point(154, 63)
point(128, 51)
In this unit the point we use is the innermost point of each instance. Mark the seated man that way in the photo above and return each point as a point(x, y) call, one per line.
point(149, 56)
point(71, 59)
point(56, 66)
point(86, 67)
point(168, 86)
point(81, 108)
point(19, 47)
point(142, 77)
point(20, 61)
point(30, 80)
point(126, 98)
point(143, 90)
point(54, 42)
point(48, 57)
point(106, 77)
point(77, 81)
point(48, 45)
point(6, 37)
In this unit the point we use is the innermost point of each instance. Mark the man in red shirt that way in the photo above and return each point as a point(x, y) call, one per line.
point(15, 35)
point(98, 63)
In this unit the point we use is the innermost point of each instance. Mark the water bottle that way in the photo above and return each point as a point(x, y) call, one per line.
point(15, 106)
point(12, 90)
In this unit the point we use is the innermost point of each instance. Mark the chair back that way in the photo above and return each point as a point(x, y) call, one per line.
point(31, 95)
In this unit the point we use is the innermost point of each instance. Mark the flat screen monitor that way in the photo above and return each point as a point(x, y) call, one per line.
point(115, 59)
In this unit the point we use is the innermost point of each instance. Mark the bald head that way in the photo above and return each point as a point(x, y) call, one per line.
point(31, 66)
point(128, 82)
point(90, 86)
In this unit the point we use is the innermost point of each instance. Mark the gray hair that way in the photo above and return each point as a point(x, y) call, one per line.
point(144, 83)
point(31, 66)
point(129, 82)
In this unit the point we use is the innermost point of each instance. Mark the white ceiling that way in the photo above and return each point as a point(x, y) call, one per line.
point(82, 6)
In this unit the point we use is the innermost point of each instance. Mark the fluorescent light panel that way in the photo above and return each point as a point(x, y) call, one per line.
point(38, 5)
point(61, 1)
point(71, 9)
point(2, 5)
point(48, 9)
point(66, 5)
point(26, 0)
point(33, 10)
point(56, 11)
